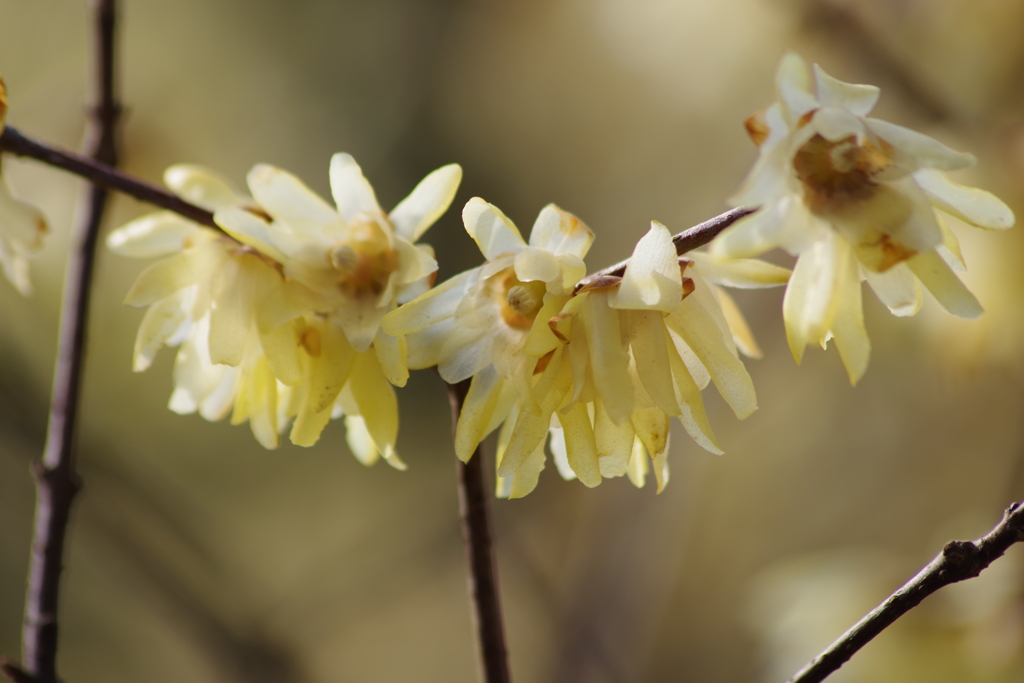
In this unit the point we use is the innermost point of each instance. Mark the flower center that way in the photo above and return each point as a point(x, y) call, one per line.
point(838, 174)
point(518, 301)
point(365, 261)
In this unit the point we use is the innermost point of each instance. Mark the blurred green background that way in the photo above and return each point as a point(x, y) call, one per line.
point(195, 555)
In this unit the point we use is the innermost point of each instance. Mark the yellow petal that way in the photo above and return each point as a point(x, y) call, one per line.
point(492, 231)
point(896, 288)
point(653, 280)
point(859, 99)
point(608, 355)
point(286, 197)
point(945, 286)
point(392, 354)
point(166, 277)
point(977, 207)
point(477, 411)
point(741, 333)
point(359, 440)
point(162, 320)
point(352, 192)
point(650, 357)
point(436, 305)
point(250, 230)
point(155, 234)
point(614, 442)
point(202, 187)
point(560, 232)
point(426, 202)
point(281, 346)
point(377, 403)
point(691, 406)
point(580, 449)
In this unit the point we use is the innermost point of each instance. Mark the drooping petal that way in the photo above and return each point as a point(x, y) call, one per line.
point(166, 277)
point(392, 353)
point(281, 347)
point(652, 280)
point(848, 329)
point(977, 207)
point(936, 275)
point(559, 232)
point(614, 442)
point(741, 334)
point(580, 449)
point(608, 356)
point(475, 417)
point(859, 99)
point(359, 441)
point(492, 231)
point(160, 323)
point(466, 352)
point(378, 405)
point(949, 249)
point(425, 204)
point(646, 335)
point(897, 289)
point(811, 300)
point(691, 406)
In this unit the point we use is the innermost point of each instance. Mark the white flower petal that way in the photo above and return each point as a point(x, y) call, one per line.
point(162, 320)
point(560, 233)
point(897, 289)
point(286, 197)
point(848, 329)
point(609, 360)
point(859, 99)
point(652, 280)
point(466, 352)
point(944, 285)
point(414, 263)
point(740, 273)
point(250, 230)
point(426, 202)
point(835, 124)
point(155, 234)
point(493, 232)
point(580, 449)
point(927, 152)
point(534, 263)
point(437, 304)
point(793, 84)
point(202, 187)
point(812, 296)
point(352, 192)
point(977, 207)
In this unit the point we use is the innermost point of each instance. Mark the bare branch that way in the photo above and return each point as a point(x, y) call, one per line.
point(56, 479)
point(14, 672)
point(483, 573)
point(958, 561)
point(687, 240)
point(102, 175)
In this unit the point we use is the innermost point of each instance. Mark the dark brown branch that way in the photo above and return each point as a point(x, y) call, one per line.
point(687, 240)
point(958, 561)
point(101, 174)
point(14, 672)
point(56, 479)
point(483, 573)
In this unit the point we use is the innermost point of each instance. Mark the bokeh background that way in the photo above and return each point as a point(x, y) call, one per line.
point(195, 555)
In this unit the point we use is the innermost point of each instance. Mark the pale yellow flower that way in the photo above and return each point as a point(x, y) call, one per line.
point(22, 226)
point(853, 198)
point(545, 361)
point(345, 267)
point(207, 296)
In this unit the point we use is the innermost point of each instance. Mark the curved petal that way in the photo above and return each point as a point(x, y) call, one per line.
point(936, 275)
point(286, 197)
point(812, 297)
point(835, 124)
point(414, 263)
point(580, 448)
point(352, 192)
point(977, 207)
point(859, 99)
point(560, 233)
point(426, 203)
point(534, 263)
point(492, 231)
point(392, 354)
point(793, 84)
point(437, 304)
point(378, 405)
point(161, 322)
point(741, 333)
point(652, 280)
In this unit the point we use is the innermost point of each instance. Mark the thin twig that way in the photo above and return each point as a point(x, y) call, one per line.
point(102, 175)
point(958, 561)
point(14, 672)
point(56, 479)
point(687, 240)
point(483, 573)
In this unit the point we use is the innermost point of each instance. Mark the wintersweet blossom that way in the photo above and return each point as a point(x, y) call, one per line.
point(546, 360)
point(280, 320)
point(22, 226)
point(343, 269)
point(206, 297)
point(854, 198)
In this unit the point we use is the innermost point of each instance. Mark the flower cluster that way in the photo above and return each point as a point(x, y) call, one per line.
point(279, 317)
point(22, 226)
point(299, 311)
point(601, 367)
point(854, 198)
